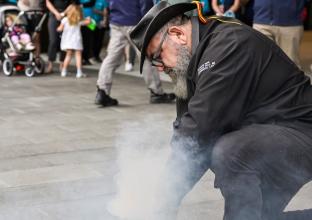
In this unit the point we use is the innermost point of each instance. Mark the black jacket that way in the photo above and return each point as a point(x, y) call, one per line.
point(237, 77)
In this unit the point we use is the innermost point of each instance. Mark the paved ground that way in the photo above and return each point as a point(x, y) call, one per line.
point(59, 153)
point(57, 149)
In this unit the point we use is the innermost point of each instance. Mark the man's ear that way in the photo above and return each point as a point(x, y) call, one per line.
point(177, 34)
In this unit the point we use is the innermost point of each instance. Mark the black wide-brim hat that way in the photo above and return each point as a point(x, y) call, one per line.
point(153, 21)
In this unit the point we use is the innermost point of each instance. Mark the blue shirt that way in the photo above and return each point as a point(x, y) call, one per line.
point(99, 5)
point(227, 4)
point(278, 12)
point(87, 7)
point(12, 1)
point(128, 12)
point(206, 6)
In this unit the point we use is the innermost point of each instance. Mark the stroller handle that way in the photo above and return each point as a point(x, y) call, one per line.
point(37, 12)
point(34, 11)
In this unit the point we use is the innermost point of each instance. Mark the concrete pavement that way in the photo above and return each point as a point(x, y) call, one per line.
point(58, 152)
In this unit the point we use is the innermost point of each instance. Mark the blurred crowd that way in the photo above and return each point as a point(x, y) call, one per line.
point(79, 27)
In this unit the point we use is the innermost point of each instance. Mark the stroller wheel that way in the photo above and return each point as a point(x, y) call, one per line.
point(8, 67)
point(30, 71)
point(40, 65)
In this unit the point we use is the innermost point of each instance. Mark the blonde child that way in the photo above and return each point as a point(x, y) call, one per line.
point(71, 40)
point(18, 35)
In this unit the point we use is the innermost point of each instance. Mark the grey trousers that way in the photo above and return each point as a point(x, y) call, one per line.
point(119, 39)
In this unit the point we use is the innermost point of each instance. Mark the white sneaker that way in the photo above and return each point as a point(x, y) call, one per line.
point(81, 75)
point(63, 74)
point(128, 67)
point(92, 61)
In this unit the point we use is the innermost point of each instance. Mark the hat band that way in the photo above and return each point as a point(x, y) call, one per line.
point(199, 10)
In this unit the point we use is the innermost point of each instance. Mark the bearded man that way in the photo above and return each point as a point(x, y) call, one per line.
point(244, 111)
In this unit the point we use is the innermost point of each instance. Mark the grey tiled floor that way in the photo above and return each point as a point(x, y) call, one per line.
point(59, 152)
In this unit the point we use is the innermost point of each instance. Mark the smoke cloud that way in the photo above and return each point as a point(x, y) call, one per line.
point(141, 161)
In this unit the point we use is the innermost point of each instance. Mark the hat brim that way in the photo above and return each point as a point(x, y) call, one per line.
point(164, 16)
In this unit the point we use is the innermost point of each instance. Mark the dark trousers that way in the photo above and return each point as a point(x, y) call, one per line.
point(260, 168)
point(87, 41)
point(132, 55)
point(54, 39)
point(98, 41)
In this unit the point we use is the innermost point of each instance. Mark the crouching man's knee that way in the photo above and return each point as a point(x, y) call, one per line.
point(232, 156)
point(238, 182)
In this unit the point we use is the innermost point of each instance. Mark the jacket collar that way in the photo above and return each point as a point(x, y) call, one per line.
point(195, 33)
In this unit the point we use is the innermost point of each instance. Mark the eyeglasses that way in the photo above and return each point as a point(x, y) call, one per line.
point(156, 59)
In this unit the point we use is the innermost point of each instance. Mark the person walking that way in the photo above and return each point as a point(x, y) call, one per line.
point(71, 41)
point(123, 16)
point(281, 22)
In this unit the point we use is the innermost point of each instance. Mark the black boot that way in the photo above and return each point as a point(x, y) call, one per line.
point(103, 99)
point(162, 98)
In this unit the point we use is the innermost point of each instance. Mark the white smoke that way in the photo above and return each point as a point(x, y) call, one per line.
point(141, 160)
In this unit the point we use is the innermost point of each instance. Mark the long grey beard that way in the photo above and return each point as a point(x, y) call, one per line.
point(180, 88)
point(178, 73)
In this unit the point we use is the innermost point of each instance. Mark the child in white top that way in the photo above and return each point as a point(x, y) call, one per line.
point(71, 40)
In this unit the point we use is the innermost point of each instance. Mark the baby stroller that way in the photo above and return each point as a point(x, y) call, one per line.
point(15, 59)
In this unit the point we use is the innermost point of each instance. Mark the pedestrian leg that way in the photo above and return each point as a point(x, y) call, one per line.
point(66, 63)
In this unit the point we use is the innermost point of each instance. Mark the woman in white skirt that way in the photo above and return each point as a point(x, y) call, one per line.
point(71, 40)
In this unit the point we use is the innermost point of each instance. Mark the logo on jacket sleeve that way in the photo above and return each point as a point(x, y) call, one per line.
point(205, 66)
